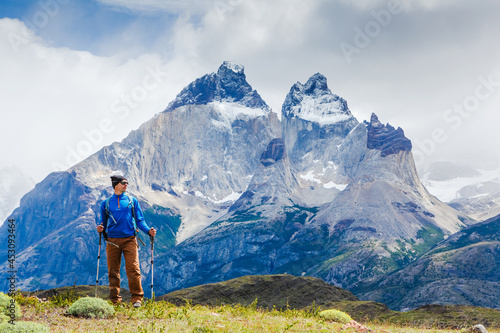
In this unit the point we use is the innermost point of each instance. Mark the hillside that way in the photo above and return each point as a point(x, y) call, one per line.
point(269, 291)
point(464, 269)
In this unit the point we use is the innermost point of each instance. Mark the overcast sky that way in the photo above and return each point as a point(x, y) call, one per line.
point(77, 75)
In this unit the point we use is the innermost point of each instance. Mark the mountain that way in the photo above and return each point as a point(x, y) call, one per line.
point(233, 191)
point(383, 219)
point(315, 122)
point(463, 269)
point(13, 185)
point(334, 198)
point(186, 166)
point(473, 191)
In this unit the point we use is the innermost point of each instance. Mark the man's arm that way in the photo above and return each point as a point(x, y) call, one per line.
point(104, 218)
point(140, 221)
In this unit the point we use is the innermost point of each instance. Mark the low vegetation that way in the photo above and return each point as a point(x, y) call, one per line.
point(91, 307)
point(161, 316)
point(335, 316)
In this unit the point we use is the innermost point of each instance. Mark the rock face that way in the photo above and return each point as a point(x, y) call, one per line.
point(385, 138)
point(382, 220)
point(232, 194)
point(53, 226)
point(273, 182)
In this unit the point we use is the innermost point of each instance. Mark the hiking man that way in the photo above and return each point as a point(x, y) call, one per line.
point(121, 219)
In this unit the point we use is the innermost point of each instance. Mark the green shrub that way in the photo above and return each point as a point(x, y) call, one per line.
point(26, 300)
point(6, 308)
point(23, 326)
point(336, 316)
point(65, 298)
point(90, 307)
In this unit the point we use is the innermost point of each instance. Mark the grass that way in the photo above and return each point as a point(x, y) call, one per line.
point(162, 316)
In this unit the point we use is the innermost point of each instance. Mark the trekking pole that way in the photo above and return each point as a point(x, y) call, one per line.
point(152, 238)
point(98, 257)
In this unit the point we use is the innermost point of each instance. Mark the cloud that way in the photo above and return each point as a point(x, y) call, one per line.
point(152, 6)
point(406, 5)
point(416, 65)
point(60, 105)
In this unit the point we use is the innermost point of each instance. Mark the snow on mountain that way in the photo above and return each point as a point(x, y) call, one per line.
point(314, 102)
point(326, 110)
point(227, 85)
point(474, 192)
point(235, 67)
point(228, 112)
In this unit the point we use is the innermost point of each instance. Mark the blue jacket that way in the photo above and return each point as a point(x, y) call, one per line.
point(122, 213)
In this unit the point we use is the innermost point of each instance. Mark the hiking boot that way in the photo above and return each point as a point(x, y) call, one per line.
point(137, 304)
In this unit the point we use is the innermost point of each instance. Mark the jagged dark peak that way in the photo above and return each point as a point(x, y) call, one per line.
point(229, 84)
point(315, 102)
point(317, 85)
point(386, 138)
point(275, 152)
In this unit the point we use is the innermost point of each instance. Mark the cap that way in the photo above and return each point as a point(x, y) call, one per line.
point(116, 179)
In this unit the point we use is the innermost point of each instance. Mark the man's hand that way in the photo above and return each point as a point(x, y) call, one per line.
point(100, 228)
point(152, 232)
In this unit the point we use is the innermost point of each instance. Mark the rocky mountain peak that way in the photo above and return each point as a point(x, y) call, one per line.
point(229, 84)
point(386, 138)
point(315, 102)
point(316, 85)
point(230, 68)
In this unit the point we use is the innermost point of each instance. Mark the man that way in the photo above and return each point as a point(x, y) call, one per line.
point(121, 217)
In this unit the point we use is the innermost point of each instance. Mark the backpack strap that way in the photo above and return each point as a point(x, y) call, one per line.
point(108, 212)
point(131, 205)
point(136, 230)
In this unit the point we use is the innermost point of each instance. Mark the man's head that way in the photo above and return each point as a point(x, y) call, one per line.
point(119, 182)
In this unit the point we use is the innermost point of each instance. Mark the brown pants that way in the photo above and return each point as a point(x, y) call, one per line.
point(129, 247)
